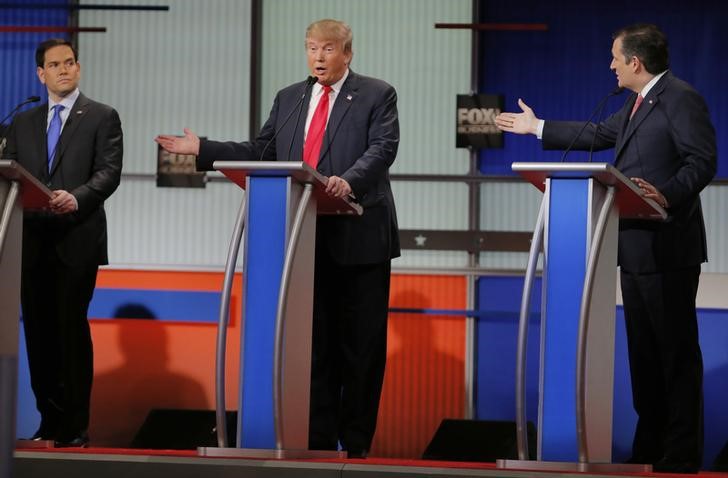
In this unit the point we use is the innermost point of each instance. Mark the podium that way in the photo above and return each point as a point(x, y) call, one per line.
point(577, 224)
point(283, 200)
point(19, 190)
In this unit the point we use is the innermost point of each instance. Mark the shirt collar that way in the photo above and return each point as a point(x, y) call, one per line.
point(67, 101)
point(318, 88)
point(652, 83)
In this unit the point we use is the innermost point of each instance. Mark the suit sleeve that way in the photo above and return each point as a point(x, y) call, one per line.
point(106, 166)
point(382, 144)
point(261, 148)
point(559, 134)
point(694, 137)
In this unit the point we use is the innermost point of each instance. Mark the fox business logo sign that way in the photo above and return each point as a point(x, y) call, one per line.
point(476, 121)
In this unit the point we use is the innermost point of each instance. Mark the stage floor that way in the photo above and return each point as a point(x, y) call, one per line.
point(118, 463)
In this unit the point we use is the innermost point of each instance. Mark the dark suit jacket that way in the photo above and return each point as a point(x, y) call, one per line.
point(359, 146)
point(670, 142)
point(87, 164)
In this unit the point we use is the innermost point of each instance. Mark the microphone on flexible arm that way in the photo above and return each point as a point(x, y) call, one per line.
point(30, 99)
point(598, 110)
point(309, 82)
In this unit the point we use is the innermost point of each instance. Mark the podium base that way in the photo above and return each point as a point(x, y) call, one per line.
point(35, 444)
point(267, 453)
point(571, 466)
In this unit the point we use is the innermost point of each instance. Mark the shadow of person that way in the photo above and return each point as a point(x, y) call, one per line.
point(424, 380)
point(140, 380)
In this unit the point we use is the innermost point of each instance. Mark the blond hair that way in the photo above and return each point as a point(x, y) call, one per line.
point(328, 29)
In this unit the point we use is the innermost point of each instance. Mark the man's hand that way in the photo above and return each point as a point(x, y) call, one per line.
point(62, 202)
point(188, 144)
point(337, 187)
point(520, 123)
point(650, 191)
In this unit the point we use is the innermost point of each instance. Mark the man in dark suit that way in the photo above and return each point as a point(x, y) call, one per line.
point(73, 145)
point(665, 142)
point(358, 136)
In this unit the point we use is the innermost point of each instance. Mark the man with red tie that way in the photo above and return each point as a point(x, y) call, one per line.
point(665, 142)
point(347, 128)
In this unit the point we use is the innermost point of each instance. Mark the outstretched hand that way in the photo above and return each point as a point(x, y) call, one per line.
point(520, 123)
point(187, 144)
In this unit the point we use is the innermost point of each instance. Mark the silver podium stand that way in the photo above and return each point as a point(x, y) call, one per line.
point(280, 209)
point(19, 191)
point(577, 223)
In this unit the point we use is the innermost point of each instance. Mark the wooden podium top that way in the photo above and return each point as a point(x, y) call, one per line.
point(630, 201)
point(33, 193)
point(238, 171)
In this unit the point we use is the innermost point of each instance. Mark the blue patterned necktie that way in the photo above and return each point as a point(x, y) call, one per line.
point(54, 132)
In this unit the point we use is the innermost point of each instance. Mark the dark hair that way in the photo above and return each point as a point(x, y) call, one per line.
point(646, 42)
point(47, 45)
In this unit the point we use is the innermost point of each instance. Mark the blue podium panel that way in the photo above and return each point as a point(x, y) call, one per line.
point(266, 235)
point(565, 266)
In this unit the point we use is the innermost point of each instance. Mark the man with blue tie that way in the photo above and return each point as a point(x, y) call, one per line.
point(74, 146)
point(349, 132)
point(665, 142)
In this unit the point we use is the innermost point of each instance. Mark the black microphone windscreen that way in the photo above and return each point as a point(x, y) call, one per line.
point(33, 99)
point(311, 80)
point(617, 91)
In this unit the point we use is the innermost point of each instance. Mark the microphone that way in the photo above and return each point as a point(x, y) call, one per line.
point(309, 82)
point(598, 109)
point(30, 99)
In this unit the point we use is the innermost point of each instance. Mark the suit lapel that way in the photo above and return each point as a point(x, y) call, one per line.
point(40, 123)
point(344, 100)
point(299, 134)
point(643, 112)
point(75, 116)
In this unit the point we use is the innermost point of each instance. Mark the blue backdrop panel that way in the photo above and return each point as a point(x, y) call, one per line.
point(497, 332)
point(562, 73)
point(499, 301)
point(18, 79)
point(266, 235)
point(175, 305)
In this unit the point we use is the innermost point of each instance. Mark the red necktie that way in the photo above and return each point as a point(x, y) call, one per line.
point(315, 135)
point(637, 104)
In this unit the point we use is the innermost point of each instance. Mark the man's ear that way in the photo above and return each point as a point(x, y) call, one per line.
point(636, 64)
point(41, 74)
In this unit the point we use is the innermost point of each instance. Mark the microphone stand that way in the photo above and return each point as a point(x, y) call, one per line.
point(598, 109)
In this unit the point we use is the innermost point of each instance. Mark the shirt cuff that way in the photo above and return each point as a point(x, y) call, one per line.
point(539, 129)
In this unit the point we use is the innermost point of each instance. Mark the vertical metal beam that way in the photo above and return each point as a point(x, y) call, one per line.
point(73, 14)
point(473, 225)
point(256, 23)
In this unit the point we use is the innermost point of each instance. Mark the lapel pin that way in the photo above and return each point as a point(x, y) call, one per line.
point(348, 97)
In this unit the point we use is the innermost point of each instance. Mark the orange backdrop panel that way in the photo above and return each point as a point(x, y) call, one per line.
point(425, 376)
point(141, 365)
